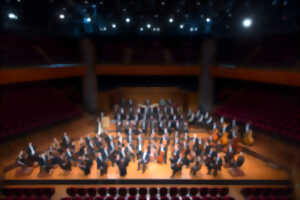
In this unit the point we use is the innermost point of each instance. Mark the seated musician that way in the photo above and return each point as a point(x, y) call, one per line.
point(31, 152)
point(85, 163)
point(21, 161)
point(176, 165)
point(65, 140)
point(239, 161)
point(144, 160)
point(197, 166)
point(65, 163)
point(44, 163)
point(122, 165)
point(101, 164)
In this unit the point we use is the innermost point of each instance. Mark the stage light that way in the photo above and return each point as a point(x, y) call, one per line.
point(114, 25)
point(127, 20)
point(208, 20)
point(181, 26)
point(62, 16)
point(171, 20)
point(12, 16)
point(141, 29)
point(148, 26)
point(87, 20)
point(196, 28)
point(192, 29)
point(247, 22)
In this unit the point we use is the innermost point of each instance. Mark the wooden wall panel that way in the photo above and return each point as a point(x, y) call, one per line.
point(281, 77)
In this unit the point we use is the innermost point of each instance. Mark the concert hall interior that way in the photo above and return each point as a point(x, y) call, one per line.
point(149, 100)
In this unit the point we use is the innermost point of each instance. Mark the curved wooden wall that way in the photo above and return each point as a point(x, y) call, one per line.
point(275, 76)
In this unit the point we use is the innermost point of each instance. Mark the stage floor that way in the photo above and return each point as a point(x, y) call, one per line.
point(256, 172)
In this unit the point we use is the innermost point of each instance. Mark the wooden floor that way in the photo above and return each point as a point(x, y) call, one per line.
point(254, 168)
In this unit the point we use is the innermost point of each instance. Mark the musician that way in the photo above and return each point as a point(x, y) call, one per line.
point(99, 127)
point(101, 164)
point(144, 160)
point(139, 147)
point(31, 152)
point(229, 155)
point(118, 126)
point(197, 166)
point(65, 140)
point(21, 159)
point(239, 161)
point(176, 165)
point(218, 165)
point(85, 163)
point(65, 163)
point(44, 164)
point(122, 164)
point(80, 152)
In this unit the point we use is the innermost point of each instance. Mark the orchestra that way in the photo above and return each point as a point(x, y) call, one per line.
point(151, 134)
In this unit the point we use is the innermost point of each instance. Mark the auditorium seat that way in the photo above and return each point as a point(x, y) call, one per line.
point(173, 191)
point(122, 191)
point(213, 191)
point(133, 191)
point(112, 191)
point(82, 192)
point(163, 191)
point(183, 191)
point(91, 192)
point(102, 191)
point(71, 192)
point(193, 191)
point(203, 191)
point(142, 191)
point(99, 198)
point(153, 191)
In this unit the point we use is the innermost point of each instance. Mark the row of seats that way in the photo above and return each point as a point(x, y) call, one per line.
point(267, 192)
point(27, 193)
point(24, 108)
point(132, 191)
point(145, 198)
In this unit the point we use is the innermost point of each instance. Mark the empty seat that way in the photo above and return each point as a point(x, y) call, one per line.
point(143, 191)
point(153, 191)
point(163, 191)
point(102, 191)
point(133, 191)
point(183, 191)
point(122, 191)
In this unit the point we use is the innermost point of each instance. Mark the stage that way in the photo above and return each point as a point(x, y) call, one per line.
point(256, 172)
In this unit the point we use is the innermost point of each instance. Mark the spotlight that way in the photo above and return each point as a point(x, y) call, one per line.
point(62, 16)
point(247, 22)
point(208, 20)
point(87, 20)
point(141, 29)
point(12, 16)
point(127, 20)
point(192, 29)
point(148, 26)
point(171, 20)
point(181, 26)
point(114, 26)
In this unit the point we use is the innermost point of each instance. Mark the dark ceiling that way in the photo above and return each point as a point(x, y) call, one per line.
point(158, 18)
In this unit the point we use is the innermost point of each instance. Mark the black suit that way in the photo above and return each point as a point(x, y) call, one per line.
point(122, 164)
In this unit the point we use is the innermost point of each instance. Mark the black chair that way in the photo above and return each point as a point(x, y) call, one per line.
point(143, 191)
point(153, 191)
point(102, 191)
point(122, 191)
point(112, 191)
point(203, 191)
point(173, 191)
point(92, 192)
point(193, 191)
point(71, 191)
point(183, 191)
point(163, 191)
point(133, 191)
